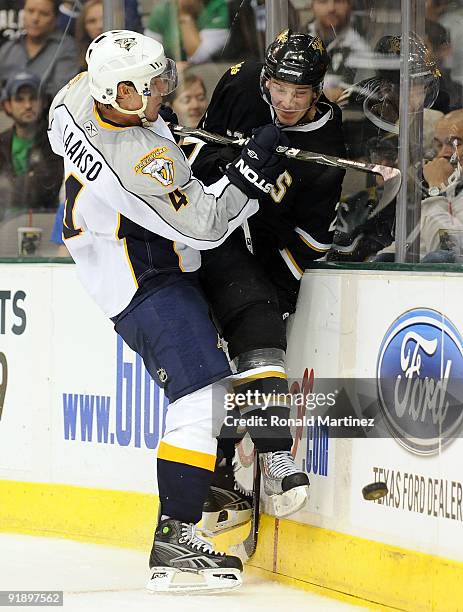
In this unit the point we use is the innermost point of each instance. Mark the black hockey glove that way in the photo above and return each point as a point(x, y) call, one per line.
point(169, 117)
point(226, 155)
point(257, 168)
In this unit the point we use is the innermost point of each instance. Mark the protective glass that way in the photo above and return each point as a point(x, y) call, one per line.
point(431, 86)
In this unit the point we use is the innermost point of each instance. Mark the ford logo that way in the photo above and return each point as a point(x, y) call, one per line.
point(420, 380)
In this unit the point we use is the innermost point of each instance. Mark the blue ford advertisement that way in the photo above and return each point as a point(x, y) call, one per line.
point(420, 380)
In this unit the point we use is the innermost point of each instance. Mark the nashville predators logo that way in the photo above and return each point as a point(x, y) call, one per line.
point(236, 68)
point(283, 36)
point(317, 44)
point(126, 43)
point(157, 167)
point(162, 170)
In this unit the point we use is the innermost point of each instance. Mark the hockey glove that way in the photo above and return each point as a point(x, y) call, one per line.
point(257, 168)
point(227, 155)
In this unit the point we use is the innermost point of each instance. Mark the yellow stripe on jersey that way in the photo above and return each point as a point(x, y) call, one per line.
point(312, 245)
point(180, 262)
point(195, 150)
point(188, 457)
point(293, 261)
point(106, 124)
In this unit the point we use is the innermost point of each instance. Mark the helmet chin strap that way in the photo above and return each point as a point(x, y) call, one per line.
point(140, 112)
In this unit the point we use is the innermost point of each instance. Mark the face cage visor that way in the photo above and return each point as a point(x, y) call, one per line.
point(165, 83)
point(289, 97)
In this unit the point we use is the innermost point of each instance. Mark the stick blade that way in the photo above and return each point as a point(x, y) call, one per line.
point(392, 182)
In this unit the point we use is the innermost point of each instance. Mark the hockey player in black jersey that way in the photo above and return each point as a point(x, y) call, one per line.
point(252, 294)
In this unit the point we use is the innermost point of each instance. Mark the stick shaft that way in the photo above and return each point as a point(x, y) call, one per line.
point(392, 176)
point(386, 172)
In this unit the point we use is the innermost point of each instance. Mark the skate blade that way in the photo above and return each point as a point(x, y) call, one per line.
point(215, 523)
point(173, 580)
point(290, 501)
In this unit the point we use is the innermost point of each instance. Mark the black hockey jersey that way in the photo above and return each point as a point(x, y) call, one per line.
point(295, 221)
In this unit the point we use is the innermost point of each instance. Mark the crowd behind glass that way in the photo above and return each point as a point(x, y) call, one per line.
point(43, 43)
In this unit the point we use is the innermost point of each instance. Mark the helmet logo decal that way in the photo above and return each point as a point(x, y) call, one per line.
point(157, 167)
point(126, 43)
point(317, 44)
point(282, 36)
point(236, 68)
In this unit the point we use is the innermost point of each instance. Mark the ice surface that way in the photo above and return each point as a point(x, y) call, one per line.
point(101, 578)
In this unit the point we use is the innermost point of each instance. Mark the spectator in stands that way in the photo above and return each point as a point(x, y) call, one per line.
point(248, 28)
point(450, 15)
point(442, 205)
point(11, 19)
point(191, 31)
point(344, 44)
point(89, 25)
point(437, 39)
point(443, 209)
point(189, 100)
point(69, 12)
point(41, 49)
point(30, 173)
point(371, 127)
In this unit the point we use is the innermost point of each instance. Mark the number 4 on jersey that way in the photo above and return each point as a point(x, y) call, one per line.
point(178, 199)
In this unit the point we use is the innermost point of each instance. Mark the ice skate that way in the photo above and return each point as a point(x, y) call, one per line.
point(180, 561)
point(227, 506)
point(285, 484)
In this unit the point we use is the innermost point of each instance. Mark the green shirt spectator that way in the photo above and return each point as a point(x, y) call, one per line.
point(30, 173)
point(20, 148)
point(190, 30)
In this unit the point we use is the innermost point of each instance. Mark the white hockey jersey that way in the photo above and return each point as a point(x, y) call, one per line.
point(132, 206)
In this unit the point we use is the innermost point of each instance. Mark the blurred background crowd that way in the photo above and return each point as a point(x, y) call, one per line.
point(43, 44)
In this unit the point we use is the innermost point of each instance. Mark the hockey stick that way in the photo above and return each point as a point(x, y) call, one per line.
point(245, 549)
point(392, 176)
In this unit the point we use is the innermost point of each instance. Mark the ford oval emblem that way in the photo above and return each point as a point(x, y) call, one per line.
point(420, 380)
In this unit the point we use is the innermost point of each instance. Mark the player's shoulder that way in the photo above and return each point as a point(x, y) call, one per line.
point(337, 113)
point(325, 105)
point(243, 71)
point(143, 158)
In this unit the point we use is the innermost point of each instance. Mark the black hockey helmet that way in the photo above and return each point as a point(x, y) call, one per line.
point(297, 58)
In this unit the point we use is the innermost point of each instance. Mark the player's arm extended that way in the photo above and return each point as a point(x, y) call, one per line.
point(163, 196)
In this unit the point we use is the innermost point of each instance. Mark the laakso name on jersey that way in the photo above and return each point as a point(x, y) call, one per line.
point(80, 156)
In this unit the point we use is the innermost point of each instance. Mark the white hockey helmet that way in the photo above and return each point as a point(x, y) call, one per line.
point(121, 55)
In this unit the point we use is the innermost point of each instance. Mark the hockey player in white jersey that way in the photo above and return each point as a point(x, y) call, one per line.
point(134, 220)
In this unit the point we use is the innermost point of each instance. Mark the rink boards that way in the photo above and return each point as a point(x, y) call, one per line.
point(81, 419)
